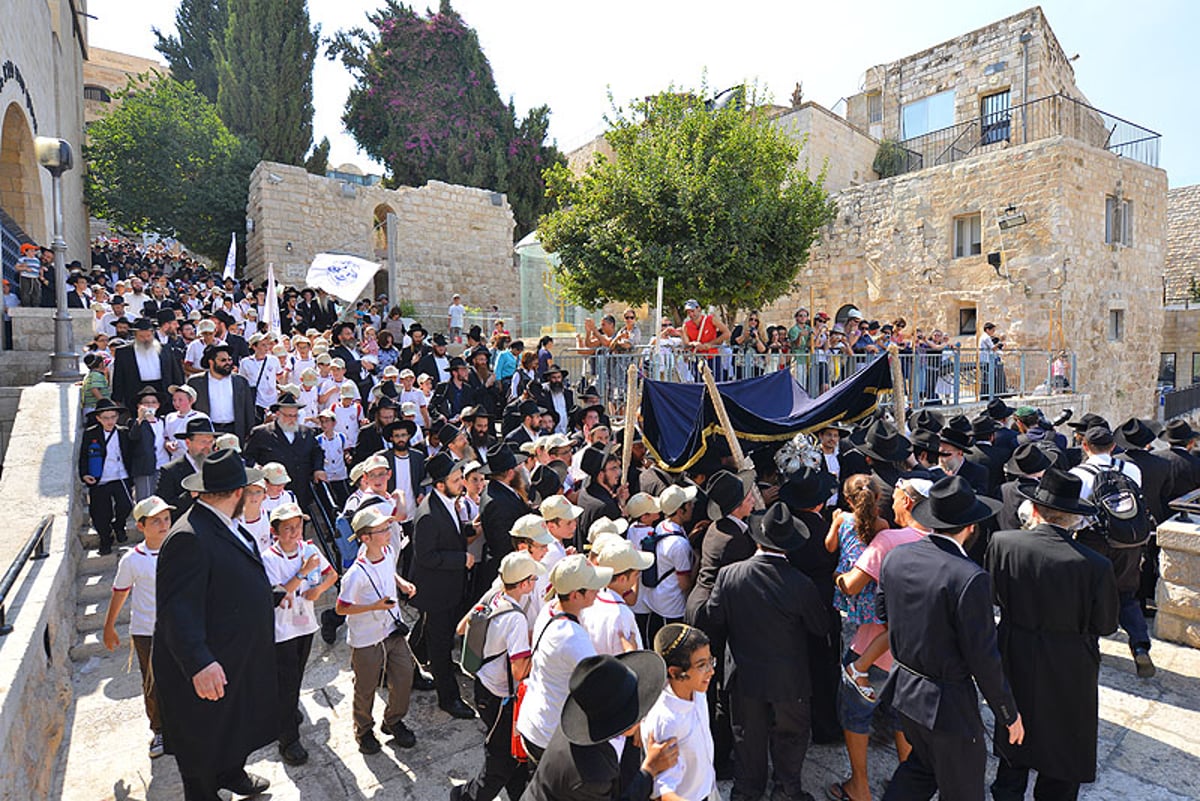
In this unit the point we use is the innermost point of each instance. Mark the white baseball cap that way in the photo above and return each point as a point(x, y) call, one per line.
point(287, 511)
point(371, 517)
point(532, 527)
point(620, 555)
point(373, 462)
point(518, 566)
point(641, 504)
point(275, 473)
point(557, 507)
point(149, 507)
point(674, 497)
point(573, 573)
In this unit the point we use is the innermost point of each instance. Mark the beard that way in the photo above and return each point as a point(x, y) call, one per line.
point(288, 427)
point(400, 447)
point(151, 347)
point(241, 507)
point(223, 369)
point(556, 387)
point(950, 464)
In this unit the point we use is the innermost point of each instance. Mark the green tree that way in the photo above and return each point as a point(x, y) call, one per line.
point(425, 105)
point(190, 52)
point(264, 76)
point(318, 161)
point(163, 161)
point(708, 198)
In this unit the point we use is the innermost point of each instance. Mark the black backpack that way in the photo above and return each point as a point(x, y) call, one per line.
point(479, 619)
point(1121, 513)
point(650, 577)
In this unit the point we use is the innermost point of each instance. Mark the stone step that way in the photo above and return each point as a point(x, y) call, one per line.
point(90, 616)
point(91, 644)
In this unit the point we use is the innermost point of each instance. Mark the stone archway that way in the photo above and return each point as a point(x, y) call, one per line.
point(20, 183)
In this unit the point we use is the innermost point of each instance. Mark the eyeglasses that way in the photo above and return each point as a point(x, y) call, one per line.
point(629, 317)
point(707, 666)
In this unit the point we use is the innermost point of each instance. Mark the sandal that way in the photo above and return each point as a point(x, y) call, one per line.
point(837, 792)
point(851, 675)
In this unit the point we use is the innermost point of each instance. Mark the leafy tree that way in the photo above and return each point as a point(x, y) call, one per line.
point(190, 53)
point(264, 76)
point(318, 161)
point(425, 105)
point(163, 161)
point(708, 198)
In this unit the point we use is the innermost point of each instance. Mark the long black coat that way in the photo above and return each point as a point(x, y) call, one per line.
point(170, 485)
point(1158, 481)
point(439, 566)
point(302, 456)
point(127, 381)
point(214, 604)
point(243, 402)
point(596, 502)
point(724, 543)
point(1056, 598)
point(583, 773)
point(499, 508)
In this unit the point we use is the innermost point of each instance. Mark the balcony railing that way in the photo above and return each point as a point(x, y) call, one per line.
point(1056, 115)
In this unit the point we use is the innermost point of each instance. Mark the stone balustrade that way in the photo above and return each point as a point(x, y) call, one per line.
point(1178, 617)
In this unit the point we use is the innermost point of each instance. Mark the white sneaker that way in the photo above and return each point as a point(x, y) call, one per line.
point(156, 747)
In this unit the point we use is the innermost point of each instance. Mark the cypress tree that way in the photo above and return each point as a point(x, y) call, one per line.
point(190, 53)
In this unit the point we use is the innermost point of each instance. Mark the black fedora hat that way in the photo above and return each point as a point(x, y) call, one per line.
point(501, 458)
point(1134, 434)
point(953, 504)
point(456, 362)
point(469, 413)
point(1027, 460)
point(211, 351)
point(544, 481)
point(925, 441)
point(143, 324)
point(953, 436)
point(221, 472)
point(594, 457)
point(1179, 432)
point(807, 488)
point(149, 392)
point(446, 432)
point(959, 422)
point(726, 491)
point(224, 317)
point(882, 442)
point(436, 339)
point(286, 400)
point(999, 410)
point(554, 368)
point(926, 419)
point(165, 316)
point(610, 694)
point(1058, 490)
point(105, 405)
point(776, 528)
point(337, 329)
point(402, 424)
point(529, 408)
point(983, 426)
point(441, 466)
point(1089, 420)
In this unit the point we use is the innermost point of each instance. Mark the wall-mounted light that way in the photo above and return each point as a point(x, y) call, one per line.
point(1011, 218)
point(288, 247)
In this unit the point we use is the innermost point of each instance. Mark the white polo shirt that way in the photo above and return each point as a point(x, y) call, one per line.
point(608, 620)
point(507, 639)
point(135, 573)
point(365, 582)
point(672, 553)
point(299, 619)
point(563, 646)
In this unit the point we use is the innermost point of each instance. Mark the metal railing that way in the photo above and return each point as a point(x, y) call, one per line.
point(1055, 115)
point(1180, 401)
point(947, 377)
point(33, 550)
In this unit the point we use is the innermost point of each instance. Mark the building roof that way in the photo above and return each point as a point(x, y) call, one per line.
point(1182, 263)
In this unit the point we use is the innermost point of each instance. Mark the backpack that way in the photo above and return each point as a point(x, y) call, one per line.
point(479, 619)
point(344, 532)
point(1121, 513)
point(650, 577)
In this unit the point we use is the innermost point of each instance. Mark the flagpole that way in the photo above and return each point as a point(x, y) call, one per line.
point(735, 447)
point(657, 333)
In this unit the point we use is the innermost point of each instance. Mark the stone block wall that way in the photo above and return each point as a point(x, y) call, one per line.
point(1181, 336)
point(829, 142)
point(33, 329)
point(1178, 601)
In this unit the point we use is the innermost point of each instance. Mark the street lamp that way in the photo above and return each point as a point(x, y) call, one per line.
point(55, 155)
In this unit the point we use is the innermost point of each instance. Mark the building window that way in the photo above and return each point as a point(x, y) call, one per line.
point(874, 107)
point(1118, 221)
point(1166, 369)
point(927, 114)
point(966, 321)
point(1116, 325)
point(994, 118)
point(97, 93)
point(1195, 367)
point(968, 235)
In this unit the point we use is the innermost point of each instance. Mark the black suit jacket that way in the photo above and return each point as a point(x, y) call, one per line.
point(76, 301)
point(170, 485)
point(597, 502)
point(499, 508)
point(992, 459)
point(214, 605)
point(370, 440)
point(938, 605)
point(243, 401)
point(446, 402)
point(569, 772)
point(95, 434)
point(1158, 482)
point(416, 468)
point(411, 357)
point(428, 365)
point(1185, 470)
point(724, 543)
point(127, 380)
point(439, 566)
point(1008, 518)
point(302, 457)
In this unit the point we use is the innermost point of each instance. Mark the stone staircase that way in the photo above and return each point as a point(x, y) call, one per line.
point(93, 585)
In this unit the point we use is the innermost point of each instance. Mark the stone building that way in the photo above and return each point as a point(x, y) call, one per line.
point(444, 238)
point(43, 46)
point(1179, 357)
point(107, 72)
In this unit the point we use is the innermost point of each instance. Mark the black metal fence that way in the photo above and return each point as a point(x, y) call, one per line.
point(1181, 401)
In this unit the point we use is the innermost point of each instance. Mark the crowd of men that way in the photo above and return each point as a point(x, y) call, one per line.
point(631, 632)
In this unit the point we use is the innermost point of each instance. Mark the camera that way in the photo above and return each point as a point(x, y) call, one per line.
point(399, 629)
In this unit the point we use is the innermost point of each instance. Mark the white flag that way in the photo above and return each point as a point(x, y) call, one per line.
point(271, 311)
point(344, 277)
point(231, 259)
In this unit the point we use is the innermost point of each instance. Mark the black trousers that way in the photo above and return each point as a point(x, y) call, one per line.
point(949, 764)
point(718, 713)
point(290, 658)
point(434, 641)
point(780, 728)
point(501, 770)
point(825, 667)
point(109, 505)
point(204, 788)
point(649, 624)
point(1011, 782)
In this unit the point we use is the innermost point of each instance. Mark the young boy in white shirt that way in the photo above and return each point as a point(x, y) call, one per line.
point(254, 519)
point(643, 511)
point(348, 413)
point(182, 398)
point(136, 578)
point(610, 621)
point(561, 518)
point(334, 446)
point(666, 601)
point(277, 479)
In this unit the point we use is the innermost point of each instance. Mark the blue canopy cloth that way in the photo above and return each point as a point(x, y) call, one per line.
point(677, 419)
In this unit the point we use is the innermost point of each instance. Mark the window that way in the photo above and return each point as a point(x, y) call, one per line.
point(1118, 221)
point(1116, 325)
point(966, 322)
point(875, 107)
point(98, 93)
point(968, 239)
point(1195, 367)
point(1166, 369)
point(994, 118)
point(927, 114)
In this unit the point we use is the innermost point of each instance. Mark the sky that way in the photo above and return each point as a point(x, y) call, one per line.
point(570, 55)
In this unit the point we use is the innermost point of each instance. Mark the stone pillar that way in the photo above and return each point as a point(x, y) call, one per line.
point(1178, 617)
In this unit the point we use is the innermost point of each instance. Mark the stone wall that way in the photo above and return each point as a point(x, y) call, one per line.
point(1181, 283)
point(1181, 336)
point(828, 142)
point(890, 251)
point(448, 239)
point(1178, 600)
point(111, 71)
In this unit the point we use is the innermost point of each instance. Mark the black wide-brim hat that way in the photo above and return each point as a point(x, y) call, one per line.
point(500, 458)
point(1135, 434)
point(1179, 432)
point(952, 504)
point(105, 405)
point(776, 528)
point(609, 694)
point(1057, 490)
point(554, 368)
point(726, 491)
point(403, 423)
point(337, 329)
point(211, 351)
point(469, 413)
point(442, 465)
point(223, 471)
point(956, 438)
point(286, 400)
point(881, 442)
point(1028, 459)
point(997, 409)
point(1089, 420)
point(594, 457)
point(544, 481)
point(926, 420)
point(807, 488)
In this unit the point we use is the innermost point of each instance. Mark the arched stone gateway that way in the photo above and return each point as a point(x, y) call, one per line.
point(20, 184)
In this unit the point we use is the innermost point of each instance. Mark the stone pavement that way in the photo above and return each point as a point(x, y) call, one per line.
point(1149, 747)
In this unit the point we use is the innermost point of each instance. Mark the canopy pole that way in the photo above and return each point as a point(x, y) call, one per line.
point(631, 404)
point(899, 401)
point(657, 332)
point(735, 447)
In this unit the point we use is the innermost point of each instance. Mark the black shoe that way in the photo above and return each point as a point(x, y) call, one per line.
point(1145, 667)
point(293, 753)
point(402, 736)
point(458, 709)
point(105, 549)
point(248, 785)
point(122, 535)
point(367, 744)
point(423, 681)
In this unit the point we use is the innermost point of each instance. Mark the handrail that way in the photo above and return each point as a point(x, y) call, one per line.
point(34, 549)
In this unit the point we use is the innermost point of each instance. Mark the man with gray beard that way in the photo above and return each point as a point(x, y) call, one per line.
point(144, 362)
point(282, 439)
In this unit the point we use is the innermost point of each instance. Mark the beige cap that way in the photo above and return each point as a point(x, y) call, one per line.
point(674, 497)
point(206, 327)
point(327, 414)
point(149, 507)
point(518, 566)
point(280, 350)
point(409, 409)
point(573, 573)
point(620, 555)
point(287, 511)
point(406, 373)
point(421, 379)
point(390, 371)
point(275, 473)
point(256, 338)
point(322, 358)
point(184, 388)
point(602, 538)
point(309, 376)
point(641, 504)
point(557, 507)
point(348, 390)
point(320, 348)
point(607, 525)
point(290, 389)
point(194, 315)
point(227, 442)
point(555, 441)
point(371, 517)
point(338, 362)
point(532, 527)
point(533, 445)
point(300, 338)
point(312, 332)
point(373, 462)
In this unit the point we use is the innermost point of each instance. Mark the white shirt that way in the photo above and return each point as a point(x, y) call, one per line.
point(195, 350)
point(672, 553)
point(149, 367)
point(635, 534)
point(134, 303)
point(563, 646)
point(347, 419)
point(260, 529)
point(268, 391)
point(693, 775)
point(457, 312)
point(334, 449)
point(507, 639)
point(608, 620)
point(114, 463)
point(443, 368)
point(554, 552)
point(270, 504)
point(370, 628)
point(298, 364)
point(220, 399)
point(834, 466)
point(299, 619)
point(135, 572)
point(161, 457)
point(403, 475)
point(177, 422)
point(1104, 460)
point(558, 400)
